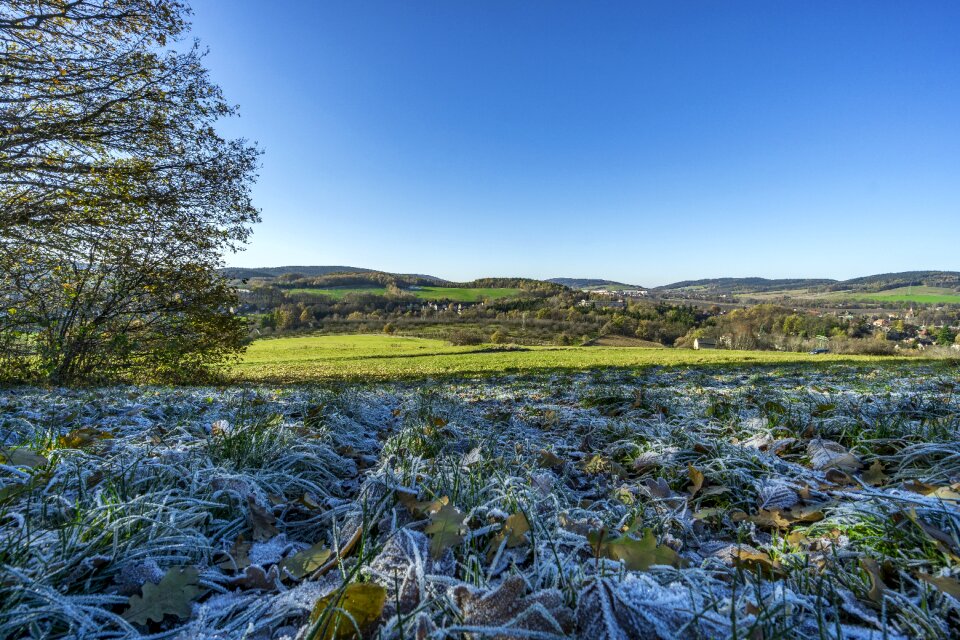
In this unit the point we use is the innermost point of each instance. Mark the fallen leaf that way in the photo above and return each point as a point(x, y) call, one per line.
point(696, 480)
point(305, 562)
point(772, 519)
point(472, 458)
point(714, 490)
point(636, 555)
point(444, 529)
point(836, 476)
point(417, 508)
point(255, 577)
point(309, 502)
point(875, 475)
point(935, 533)
point(808, 513)
point(82, 438)
point(508, 608)
point(949, 586)
point(357, 606)
point(947, 494)
point(515, 529)
point(237, 559)
point(876, 581)
point(549, 460)
point(757, 561)
point(711, 512)
point(827, 454)
point(22, 457)
point(172, 596)
point(657, 488)
point(261, 521)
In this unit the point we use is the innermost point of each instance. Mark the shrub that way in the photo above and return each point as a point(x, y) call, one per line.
point(464, 337)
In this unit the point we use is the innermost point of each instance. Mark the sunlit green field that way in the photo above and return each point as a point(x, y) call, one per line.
point(922, 295)
point(456, 294)
point(376, 357)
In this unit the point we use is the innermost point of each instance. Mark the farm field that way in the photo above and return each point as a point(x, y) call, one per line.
point(378, 357)
point(917, 295)
point(923, 295)
point(751, 502)
point(455, 294)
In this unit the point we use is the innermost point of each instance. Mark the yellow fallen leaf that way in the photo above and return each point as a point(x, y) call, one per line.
point(307, 561)
point(417, 508)
point(82, 438)
point(515, 529)
point(696, 480)
point(345, 612)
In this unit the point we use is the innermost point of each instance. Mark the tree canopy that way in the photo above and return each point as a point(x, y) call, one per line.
point(118, 197)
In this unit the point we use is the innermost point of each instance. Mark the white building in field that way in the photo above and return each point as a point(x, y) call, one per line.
point(704, 343)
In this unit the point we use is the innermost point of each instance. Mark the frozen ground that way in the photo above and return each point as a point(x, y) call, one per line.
point(717, 504)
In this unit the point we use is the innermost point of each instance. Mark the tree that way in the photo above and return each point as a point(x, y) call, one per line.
point(117, 196)
point(945, 336)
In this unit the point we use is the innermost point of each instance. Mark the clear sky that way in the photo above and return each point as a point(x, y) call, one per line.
point(636, 141)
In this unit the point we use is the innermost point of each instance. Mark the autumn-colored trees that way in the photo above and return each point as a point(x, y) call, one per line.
point(117, 196)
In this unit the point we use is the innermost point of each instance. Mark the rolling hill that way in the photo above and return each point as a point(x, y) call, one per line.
point(592, 283)
point(311, 272)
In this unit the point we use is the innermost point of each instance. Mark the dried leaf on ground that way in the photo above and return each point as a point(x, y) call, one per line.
point(876, 580)
point(256, 577)
point(875, 475)
point(417, 508)
point(507, 608)
point(949, 586)
point(827, 454)
point(172, 596)
point(82, 438)
point(756, 561)
point(445, 529)
point(696, 480)
point(341, 613)
point(261, 521)
point(637, 555)
point(22, 457)
point(238, 557)
point(516, 528)
point(550, 460)
point(307, 561)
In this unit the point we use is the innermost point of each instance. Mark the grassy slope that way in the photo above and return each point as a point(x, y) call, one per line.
point(372, 357)
point(929, 295)
point(457, 294)
point(919, 295)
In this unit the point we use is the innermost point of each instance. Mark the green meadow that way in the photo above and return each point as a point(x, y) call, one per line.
point(919, 295)
point(378, 357)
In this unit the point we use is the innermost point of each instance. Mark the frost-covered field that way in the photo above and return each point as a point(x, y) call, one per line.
point(717, 504)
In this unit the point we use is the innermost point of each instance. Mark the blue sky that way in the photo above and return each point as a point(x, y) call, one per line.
point(641, 142)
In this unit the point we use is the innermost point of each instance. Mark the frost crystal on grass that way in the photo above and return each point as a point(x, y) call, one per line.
point(757, 483)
